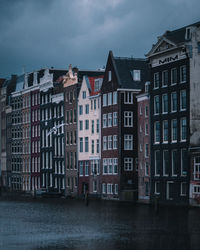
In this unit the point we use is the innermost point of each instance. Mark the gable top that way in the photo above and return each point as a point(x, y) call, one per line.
point(124, 68)
point(173, 38)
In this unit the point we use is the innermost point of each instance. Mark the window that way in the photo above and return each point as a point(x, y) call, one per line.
point(80, 109)
point(86, 124)
point(183, 188)
point(165, 131)
point(104, 120)
point(116, 188)
point(115, 166)
point(128, 119)
point(109, 99)
point(109, 75)
point(81, 144)
point(97, 146)
point(97, 84)
point(105, 166)
point(104, 142)
point(146, 169)
point(183, 74)
point(95, 104)
point(165, 103)
point(114, 141)
point(156, 80)
point(115, 119)
point(84, 94)
point(92, 146)
point(183, 100)
point(197, 168)
point(164, 78)
point(86, 168)
point(183, 162)
point(157, 163)
point(109, 188)
point(110, 120)
point(156, 105)
point(183, 129)
point(128, 142)
point(174, 130)
point(97, 125)
point(173, 76)
point(136, 75)
point(146, 150)
point(87, 108)
point(174, 102)
point(110, 142)
point(157, 187)
point(104, 189)
point(146, 129)
point(86, 144)
point(128, 164)
point(110, 167)
point(92, 126)
point(174, 163)
point(115, 97)
point(105, 100)
point(128, 98)
point(80, 125)
point(165, 162)
point(146, 111)
point(196, 189)
point(91, 104)
point(81, 168)
point(94, 186)
point(157, 132)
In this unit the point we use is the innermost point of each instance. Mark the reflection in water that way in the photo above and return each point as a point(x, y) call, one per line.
point(62, 224)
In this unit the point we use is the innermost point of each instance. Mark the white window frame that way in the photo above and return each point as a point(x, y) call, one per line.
point(114, 119)
point(128, 142)
point(128, 164)
point(114, 97)
point(104, 142)
point(115, 140)
point(105, 121)
point(128, 119)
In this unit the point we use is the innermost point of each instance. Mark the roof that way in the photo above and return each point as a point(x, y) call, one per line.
point(125, 67)
point(92, 84)
point(178, 35)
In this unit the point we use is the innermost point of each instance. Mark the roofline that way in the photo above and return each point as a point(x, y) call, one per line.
point(133, 90)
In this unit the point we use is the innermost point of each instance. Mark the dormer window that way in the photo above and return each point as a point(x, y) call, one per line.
point(188, 34)
point(109, 75)
point(136, 74)
point(97, 84)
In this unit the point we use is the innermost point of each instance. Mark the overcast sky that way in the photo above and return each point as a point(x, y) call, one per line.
point(45, 33)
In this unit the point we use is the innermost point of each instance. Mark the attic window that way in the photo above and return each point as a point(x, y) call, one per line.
point(188, 34)
point(136, 75)
point(97, 84)
point(109, 75)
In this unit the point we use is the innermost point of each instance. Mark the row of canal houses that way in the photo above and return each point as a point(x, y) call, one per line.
point(129, 132)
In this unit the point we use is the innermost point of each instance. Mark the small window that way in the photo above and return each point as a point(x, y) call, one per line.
point(109, 75)
point(84, 94)
point(136, 75)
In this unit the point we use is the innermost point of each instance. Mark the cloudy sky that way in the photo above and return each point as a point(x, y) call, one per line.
point(45, 33)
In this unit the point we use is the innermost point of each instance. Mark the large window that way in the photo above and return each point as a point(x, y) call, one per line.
point(110, 119)
point(174, 130)
point(110, 98)
point(128, 119)
point(128, 164)
point(183, 100)
point(165, 131)
point(183, 73)
point(165, 103)
point(183, 162)
point(157, 162)
point(104, 120)
point(86, 144)
point(128, 142)
point(86, 168)
point(156, 105)
point(183, 129)
point(128, 98)
point(156, 80)
point(115, 119)
point(114, 141)
point(197, 168)
point(81, 144)
point(115, 97)
point(174, 163)
point(165, 162)
point(157, 132)
point(173, 76)
point(174, 102)
point(164, 78)
point(105, 100)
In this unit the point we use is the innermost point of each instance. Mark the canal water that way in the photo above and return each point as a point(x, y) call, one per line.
point(70, 224)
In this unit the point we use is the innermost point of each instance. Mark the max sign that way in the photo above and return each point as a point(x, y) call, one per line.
point(168, 59)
